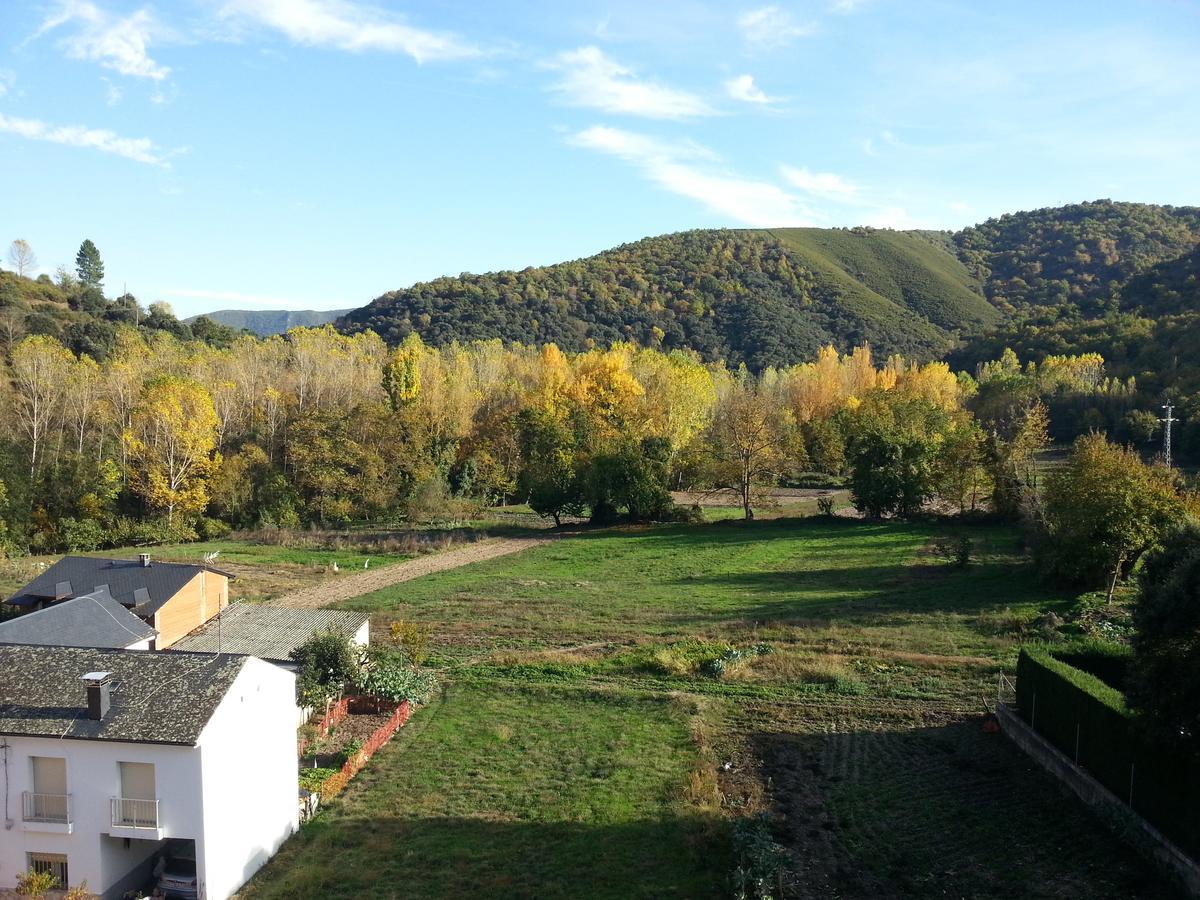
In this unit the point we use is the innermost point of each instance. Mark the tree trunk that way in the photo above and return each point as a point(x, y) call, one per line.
point(1112, 584)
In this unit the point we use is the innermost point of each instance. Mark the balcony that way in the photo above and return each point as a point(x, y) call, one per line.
point(135, 818)
point(46, 812)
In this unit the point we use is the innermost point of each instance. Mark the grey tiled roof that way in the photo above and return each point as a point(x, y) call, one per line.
point(268, 632)
point(160, 698)
point(93, 620)
point(145, 587)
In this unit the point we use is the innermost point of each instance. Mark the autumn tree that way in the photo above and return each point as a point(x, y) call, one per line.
point(21, 257)
point(892, 451)
point(40, 367)
point(172, 445)
point(1103, 509)
point(747, 440)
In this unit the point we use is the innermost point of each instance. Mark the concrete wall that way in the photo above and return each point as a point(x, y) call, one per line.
point(248, 752)
point(1145, 836)
point(93, 777)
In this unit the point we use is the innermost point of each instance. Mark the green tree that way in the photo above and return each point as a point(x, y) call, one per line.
point(549, 478)
point(633, 477)
point(89, 267)
point(892, 450)
point(1165, 682)
point(1103, 510)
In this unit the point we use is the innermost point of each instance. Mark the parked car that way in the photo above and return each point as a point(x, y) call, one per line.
point(177, 875)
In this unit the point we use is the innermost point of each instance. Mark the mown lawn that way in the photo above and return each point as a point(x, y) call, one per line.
point(617, 698)
point(533, 791)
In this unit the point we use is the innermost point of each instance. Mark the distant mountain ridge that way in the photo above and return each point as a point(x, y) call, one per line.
point(265, 322)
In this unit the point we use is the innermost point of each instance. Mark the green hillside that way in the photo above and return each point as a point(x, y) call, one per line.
point(759, 297)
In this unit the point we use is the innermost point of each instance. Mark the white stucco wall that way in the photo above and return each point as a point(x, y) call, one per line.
point(362, 637)
point(93, 777)
point(249, 767)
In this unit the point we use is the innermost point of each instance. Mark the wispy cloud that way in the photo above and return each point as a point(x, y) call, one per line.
point(826, 185)
point(592, 79)
point(771, 26)
point(845, 7)
point(743, 88)
point(693, 171)
point(118, 43)
point(253, 300)
point(141, 150)
point(349, 26)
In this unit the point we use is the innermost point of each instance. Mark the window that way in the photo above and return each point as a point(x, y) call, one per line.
point(48, 801)
point(137, 807)
point(54, 863)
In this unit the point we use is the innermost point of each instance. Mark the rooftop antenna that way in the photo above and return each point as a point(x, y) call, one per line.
point(1167, 421)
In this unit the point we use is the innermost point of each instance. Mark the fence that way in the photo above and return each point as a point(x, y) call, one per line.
point(335, 784)
point(1087, 720)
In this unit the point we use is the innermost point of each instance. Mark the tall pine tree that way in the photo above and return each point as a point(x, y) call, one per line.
point(89, 266)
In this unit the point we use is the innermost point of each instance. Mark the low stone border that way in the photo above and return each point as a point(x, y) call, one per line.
point(1128, 823)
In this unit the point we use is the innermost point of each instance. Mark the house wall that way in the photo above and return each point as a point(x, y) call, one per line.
point(248, 753)
point(362, 637)
point(195, 603)
point(93, 777)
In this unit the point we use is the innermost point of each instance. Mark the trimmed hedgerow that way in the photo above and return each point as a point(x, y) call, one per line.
point(1107, 661)
point(1090, 722)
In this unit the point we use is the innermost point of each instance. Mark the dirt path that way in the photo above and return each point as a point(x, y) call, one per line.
point(331, 592)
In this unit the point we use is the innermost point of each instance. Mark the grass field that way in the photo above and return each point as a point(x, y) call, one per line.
point(597, 735)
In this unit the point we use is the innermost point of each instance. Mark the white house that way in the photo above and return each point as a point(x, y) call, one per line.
point(105, 755)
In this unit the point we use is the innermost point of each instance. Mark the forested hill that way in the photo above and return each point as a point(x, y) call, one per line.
point(759, 297)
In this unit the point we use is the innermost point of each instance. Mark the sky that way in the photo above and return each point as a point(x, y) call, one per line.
point(313, 154)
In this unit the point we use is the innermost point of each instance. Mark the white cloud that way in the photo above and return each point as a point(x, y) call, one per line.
point(112, 93)
point(959, 206)
point(349, 26)
point(845, 7)
point(893, 217)
point(141, 150)
point(770, 26)
point(689, 170)
point(120, 44)
point(592, 79)
point(743, 88)
point(821, 184)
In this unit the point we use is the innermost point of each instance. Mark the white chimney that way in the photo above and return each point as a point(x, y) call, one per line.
point(144, 559)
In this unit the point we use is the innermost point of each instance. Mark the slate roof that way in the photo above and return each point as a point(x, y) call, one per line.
point(268, 632)
point(157, 698)
point(144, 588)
point(93, 620)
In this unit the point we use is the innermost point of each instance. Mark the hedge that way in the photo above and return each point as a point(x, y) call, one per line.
point(1088, 721)
point(1107, 661)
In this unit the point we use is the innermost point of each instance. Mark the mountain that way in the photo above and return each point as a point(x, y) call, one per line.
point(264, 322)
point(762, 297)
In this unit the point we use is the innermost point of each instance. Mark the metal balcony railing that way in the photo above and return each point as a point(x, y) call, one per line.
point(130, 813)
point(53, 808)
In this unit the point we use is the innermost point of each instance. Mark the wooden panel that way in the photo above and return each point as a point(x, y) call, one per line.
point(197, 602)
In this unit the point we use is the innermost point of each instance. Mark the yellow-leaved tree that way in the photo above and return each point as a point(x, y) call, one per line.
point(172, 445)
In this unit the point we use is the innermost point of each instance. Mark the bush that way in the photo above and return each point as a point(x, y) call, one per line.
point(325, 663)
point(1107, 661)
point(825, 506)
point(76, 535)
point(1089, 721)
point(313, 779)
point(212, 529)
point(954, 550)
point(760, 861)
point(36, 884)
point(387, 674)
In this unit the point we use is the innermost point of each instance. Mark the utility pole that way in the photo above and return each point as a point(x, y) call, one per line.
point(1167, 421)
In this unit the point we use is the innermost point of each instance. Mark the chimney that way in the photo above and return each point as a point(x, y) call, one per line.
point(144, 559)
point(98, 688)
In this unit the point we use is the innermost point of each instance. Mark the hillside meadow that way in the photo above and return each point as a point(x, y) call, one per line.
point(615, 701)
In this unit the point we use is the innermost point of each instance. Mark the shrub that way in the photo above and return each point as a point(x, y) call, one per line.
point(313, 779)
point(825, 506)
point(325, 664)
point(955, 550)
point(212, 529)
point(387, 674)
point(413, 639)
point(760, 861)
point(76, 535)
point(36, 884)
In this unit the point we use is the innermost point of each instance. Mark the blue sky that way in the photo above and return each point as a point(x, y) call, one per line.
point(316, 153)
